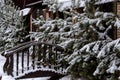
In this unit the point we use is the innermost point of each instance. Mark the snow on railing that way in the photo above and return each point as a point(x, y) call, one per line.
point(34, 56)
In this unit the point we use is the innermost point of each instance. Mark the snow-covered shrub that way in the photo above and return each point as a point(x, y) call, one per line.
point(11, 26)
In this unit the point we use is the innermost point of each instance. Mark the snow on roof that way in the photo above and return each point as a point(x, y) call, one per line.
point(104, 1)
point(63, 0)
point(31, 4)
point(65, 4)
point(25, 11)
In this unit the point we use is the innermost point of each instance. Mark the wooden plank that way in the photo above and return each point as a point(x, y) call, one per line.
point(17, 63)
point(33, 58)
point(22, 61)
point(28, 54)
point(118, 33)
point(39, 56)
point(10, 68)
point(31, 28)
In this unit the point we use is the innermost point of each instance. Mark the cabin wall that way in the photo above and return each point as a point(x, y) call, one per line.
point(118, 13)
point(118, 8)
point(36, 12)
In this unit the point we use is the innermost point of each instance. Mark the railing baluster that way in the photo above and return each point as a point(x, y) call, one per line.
point(17, 63)
point(10, 69)
point(55, 58)
point(39, 55)
point(50, 55)
point(33, 58)
point(28, 54)
point(22, 61)
point(5, 67)
point(44, 54)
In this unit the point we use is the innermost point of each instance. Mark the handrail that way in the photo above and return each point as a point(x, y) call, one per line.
point(42, 54)
point(28, 44)
point(4, 53)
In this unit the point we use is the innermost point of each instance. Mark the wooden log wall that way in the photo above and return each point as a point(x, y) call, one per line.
point(118, 13)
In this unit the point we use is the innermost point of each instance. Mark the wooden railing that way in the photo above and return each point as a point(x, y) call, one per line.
point(33, 56)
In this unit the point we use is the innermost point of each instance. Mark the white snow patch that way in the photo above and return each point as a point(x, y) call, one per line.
point(104, 1)
point(69, 78)
point(25, 11)
point(112, 68)
point(2, 61)
point(66, 78)
point(63, 0)
point(7, 78)
point(66, 4)
point(41, 78)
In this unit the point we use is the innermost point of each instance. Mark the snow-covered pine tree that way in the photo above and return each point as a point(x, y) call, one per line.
point(88, 58)
point(84, 41)
point(11, 25)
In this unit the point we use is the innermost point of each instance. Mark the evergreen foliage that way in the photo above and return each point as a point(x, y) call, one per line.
point(12, 28)
point(90, 50)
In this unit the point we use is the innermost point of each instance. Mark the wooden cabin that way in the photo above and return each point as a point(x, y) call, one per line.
point(38, 9)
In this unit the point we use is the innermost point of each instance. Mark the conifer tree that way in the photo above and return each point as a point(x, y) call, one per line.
point(87, 43)
point(11, 25)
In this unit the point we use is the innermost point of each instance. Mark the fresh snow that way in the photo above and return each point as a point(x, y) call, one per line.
point(104, 1)
point(7, 78)
point(66, 4)
point(2, 61)
point(1, 2)
point(25, 11)
point(69, 78)
point(4, 76)
point(42, 78)
point(112, 68)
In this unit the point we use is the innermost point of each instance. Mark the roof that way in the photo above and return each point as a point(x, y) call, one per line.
point(65, 4)
point(23, 3)
point(105, 1)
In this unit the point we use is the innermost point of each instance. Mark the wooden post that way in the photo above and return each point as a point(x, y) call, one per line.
point(33, 57)
point(39, 56)
point(118, 13)
point(17, 63)
point(28, 54)
point(31, 28)
point(47, 13)
point(51, 15)
point(0, 77)
point(22, 61)
point(114, 28)
point(118, 8)
point(10, 68)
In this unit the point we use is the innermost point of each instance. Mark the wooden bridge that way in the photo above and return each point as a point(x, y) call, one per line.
point(35, 59)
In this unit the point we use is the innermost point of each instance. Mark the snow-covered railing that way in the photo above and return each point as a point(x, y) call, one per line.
point(34, 56)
